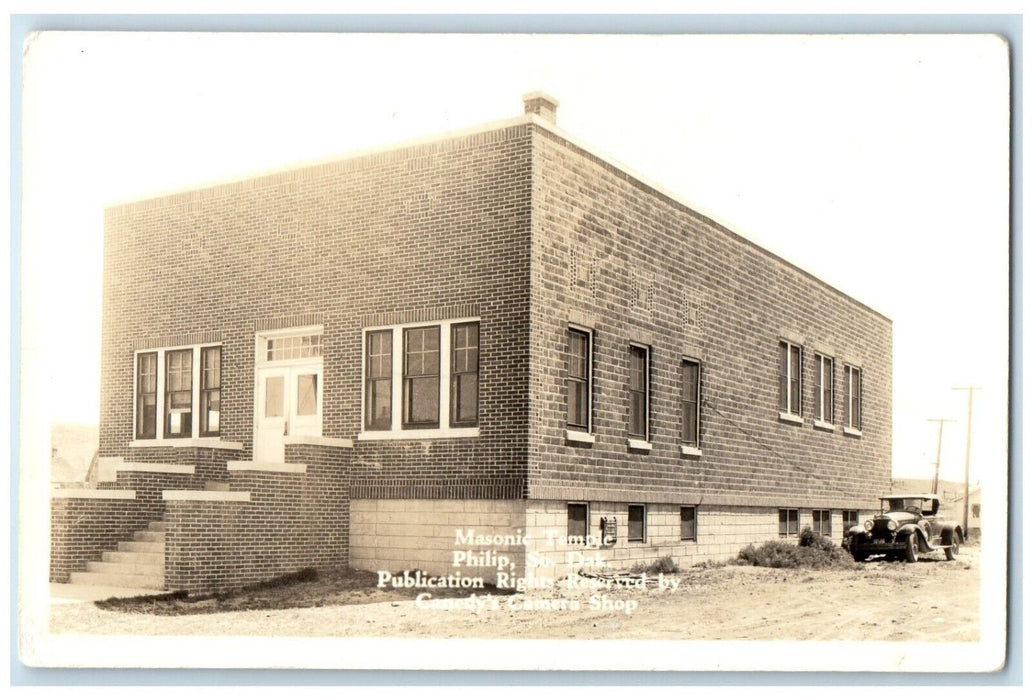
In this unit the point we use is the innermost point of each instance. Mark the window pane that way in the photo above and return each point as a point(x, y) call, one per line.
point(210, 412)
point(637, 426)
point(306, 395)
point(273, 397)
point(577, 520)
point(577, 403)
point(294, 346)
point(638, 369)
point(691, 431)
point(422, 400)
point(688, 523)
point(378, 404)
point(636, 522)
point(466, 398)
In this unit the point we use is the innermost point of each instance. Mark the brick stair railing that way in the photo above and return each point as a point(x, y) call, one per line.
point(139, 563)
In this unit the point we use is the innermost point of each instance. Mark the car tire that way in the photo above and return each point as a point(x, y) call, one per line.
point(911, 553)
point(858, 556)
point(954, 548)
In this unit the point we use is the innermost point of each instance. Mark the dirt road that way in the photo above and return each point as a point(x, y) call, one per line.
point(932, 600)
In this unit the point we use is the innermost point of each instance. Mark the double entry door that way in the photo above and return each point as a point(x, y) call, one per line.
point(288, 404)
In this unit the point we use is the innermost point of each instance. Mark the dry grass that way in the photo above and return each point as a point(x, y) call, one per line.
point(302, 589)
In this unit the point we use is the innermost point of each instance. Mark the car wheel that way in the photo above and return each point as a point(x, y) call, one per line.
point(911, 553)
point(859, 556)
point(955, 547)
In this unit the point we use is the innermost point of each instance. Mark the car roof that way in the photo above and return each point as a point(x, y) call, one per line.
point(911, 495)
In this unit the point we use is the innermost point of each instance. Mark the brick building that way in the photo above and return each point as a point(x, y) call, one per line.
point(496, 330)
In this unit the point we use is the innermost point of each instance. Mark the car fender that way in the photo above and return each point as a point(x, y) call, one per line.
point(905, 531)
point(949, 531)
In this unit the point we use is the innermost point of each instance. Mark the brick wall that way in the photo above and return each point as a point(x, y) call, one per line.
point(291, 522)
point(423, 227)
point(615, 255)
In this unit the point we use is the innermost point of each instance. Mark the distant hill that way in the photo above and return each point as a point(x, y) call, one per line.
point(71, 449)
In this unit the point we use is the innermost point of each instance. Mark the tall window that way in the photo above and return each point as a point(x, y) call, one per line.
point(822, 522)
point(578, 379)
point(790, 371)
point(688, 523)
point(853, 397)
point(690, 394)
point(146, 395)
point(421, 386)
point(211, 381)
point(823, 387)
point(465, 358)
point(788, 522)
point(636, 523)
point(179, 381)
point(638, 420)
point(378, 380)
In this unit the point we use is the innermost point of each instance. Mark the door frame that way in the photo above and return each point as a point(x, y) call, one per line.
point(291, 369)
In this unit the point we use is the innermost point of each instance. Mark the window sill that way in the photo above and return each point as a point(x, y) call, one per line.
point(847, 430)
point(790, 418)
point(212, 442)
point(425, 434)
point(579, 437)
point(690, 451)
point(822, 425)
point(639, 445)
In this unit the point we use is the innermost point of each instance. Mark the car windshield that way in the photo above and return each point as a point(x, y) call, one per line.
point(911, 505)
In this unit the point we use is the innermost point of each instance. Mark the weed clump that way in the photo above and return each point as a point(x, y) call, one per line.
point(663, 565)
point(813, 552)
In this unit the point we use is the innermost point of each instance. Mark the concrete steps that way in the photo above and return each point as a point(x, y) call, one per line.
point(139, 563)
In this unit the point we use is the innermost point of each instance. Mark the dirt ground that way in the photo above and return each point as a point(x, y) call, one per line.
point(932, 600)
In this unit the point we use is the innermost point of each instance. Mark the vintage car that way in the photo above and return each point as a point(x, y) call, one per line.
point(906, 527)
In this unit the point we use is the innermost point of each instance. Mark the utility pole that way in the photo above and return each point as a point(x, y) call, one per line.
point(939, 445)
point(968, 447)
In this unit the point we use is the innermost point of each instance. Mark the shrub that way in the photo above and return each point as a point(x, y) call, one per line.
point(782, 554)
point(663, 565)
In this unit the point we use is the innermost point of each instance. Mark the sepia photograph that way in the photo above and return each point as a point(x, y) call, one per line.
point(514, 351)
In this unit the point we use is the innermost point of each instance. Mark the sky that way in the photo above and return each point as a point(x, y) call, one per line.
point(879, 164)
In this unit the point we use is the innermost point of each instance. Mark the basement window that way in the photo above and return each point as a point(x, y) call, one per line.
point(688, 523)
point(822, 522)
point(577, 523)
point(636, 523)
point(850, 519)
point(788, 522)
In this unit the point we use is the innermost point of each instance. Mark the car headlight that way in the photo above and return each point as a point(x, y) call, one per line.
point(891, 525)
point(868, 525)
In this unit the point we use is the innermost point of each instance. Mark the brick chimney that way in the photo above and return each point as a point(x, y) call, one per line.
point(541, 104)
